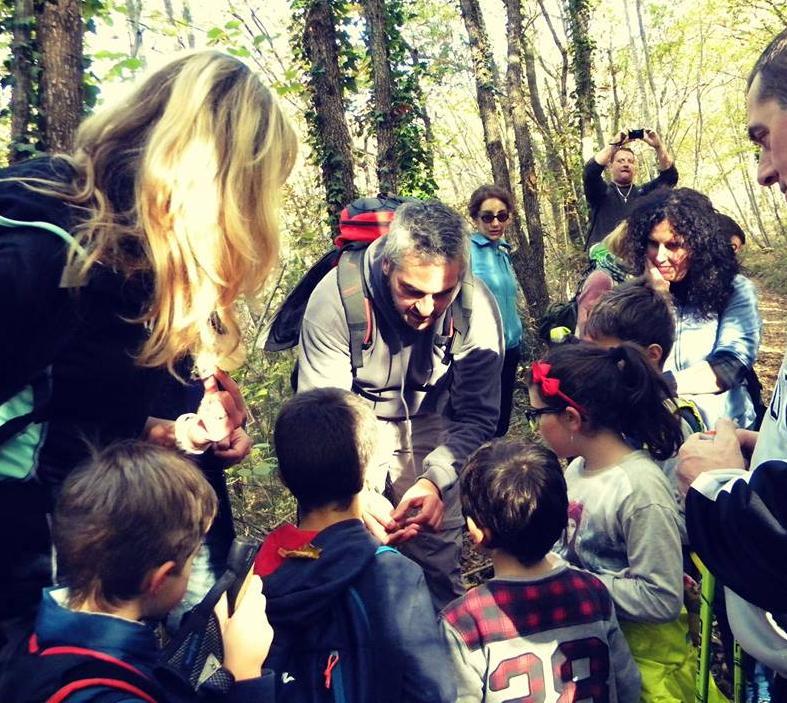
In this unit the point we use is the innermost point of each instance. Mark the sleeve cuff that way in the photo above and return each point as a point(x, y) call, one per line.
point(441, 476)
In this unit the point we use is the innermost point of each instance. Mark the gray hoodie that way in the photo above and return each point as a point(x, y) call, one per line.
point(403, 374)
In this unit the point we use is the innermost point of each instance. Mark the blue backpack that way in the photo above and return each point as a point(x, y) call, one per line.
point(329, 660)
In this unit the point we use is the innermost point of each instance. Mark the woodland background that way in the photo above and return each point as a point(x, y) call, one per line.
point(428, 98)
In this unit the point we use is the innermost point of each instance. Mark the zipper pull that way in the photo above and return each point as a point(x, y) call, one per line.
point(333, 660)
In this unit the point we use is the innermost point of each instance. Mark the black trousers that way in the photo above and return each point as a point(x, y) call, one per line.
point(507, 383)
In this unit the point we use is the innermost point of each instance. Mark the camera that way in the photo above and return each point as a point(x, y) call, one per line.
point(636, 133)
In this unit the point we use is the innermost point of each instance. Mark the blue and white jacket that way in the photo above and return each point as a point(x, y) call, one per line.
point(736, 331)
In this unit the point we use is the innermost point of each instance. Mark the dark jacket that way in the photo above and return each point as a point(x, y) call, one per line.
point(131, 642)
point(81, 338)
point(607, 207)
point(411, 662)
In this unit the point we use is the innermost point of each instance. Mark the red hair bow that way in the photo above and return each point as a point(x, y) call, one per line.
point(549, 386)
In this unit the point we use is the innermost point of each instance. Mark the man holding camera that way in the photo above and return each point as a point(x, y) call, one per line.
point(610, 202)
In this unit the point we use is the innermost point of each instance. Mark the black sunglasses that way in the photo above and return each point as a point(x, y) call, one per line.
point(532, 414)
point(488, 217)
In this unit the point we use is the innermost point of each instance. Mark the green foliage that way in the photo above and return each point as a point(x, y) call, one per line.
point(413, 152)
point(348, 58)
point(30, 142)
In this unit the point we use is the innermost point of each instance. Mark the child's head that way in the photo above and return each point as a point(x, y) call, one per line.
point(582, 389)
point(733, 230)
point(324, 441)
point(127, 524)
point(515, 494)
point(633, 312)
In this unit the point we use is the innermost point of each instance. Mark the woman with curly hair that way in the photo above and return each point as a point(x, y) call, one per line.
point(674, 237)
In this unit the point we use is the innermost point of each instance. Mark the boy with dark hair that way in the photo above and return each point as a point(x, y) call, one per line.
point(633, 312)
point(126, 528)
point(540, 627)
point(348, 614)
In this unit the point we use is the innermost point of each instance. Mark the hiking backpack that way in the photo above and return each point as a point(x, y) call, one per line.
point(331, 659)
point(54, 674)
point(23, 414)
point(361, 222)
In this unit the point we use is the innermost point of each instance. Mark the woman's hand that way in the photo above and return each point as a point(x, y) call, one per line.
point(655, 278)
point(222, 409)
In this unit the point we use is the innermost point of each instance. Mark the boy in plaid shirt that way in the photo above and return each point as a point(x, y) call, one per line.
point(540, 627)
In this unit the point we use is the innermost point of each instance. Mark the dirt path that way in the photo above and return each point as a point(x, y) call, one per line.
point(773, 310)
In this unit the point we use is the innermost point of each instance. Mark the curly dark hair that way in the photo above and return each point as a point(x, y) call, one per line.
point(707, 286)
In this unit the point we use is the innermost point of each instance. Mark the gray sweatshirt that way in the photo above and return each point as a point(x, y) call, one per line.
point(623, 525)
point(403, 374)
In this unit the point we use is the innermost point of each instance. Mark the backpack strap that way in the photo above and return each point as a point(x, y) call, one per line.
point(688, 411)
point(356, 301)
point(41, 395)
point(40, 384)
point(459, 317)
point(76, 669)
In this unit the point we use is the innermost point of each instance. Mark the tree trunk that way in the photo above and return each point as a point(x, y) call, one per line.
point(21, 70)
point(578, 19)
point(484, 72)
point(528, 257)
point(134, 14)
point(638, 70)
point(59, 25)
point(387, 162)
point(331, 136)
point(563, 207)
point(648, 64)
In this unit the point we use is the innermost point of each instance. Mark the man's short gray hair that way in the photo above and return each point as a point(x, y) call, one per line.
point(428, 230)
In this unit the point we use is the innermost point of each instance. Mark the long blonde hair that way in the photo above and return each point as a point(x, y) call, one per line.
point(182, 179)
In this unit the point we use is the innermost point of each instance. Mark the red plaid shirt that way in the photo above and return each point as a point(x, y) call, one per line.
point(544, 640)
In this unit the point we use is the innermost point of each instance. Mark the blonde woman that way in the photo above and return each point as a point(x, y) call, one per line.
point(168, 209)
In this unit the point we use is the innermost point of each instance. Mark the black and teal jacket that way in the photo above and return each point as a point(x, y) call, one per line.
point(76, 346)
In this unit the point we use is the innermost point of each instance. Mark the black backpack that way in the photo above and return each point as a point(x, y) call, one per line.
point(332, 658)
point(361, 222)
point(53, 674)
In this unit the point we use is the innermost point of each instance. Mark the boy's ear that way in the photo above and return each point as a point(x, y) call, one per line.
point(157, 576)
point(655, 354)
point(479, 535)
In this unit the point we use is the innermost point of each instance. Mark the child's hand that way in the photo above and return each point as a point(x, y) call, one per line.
point(247, 634)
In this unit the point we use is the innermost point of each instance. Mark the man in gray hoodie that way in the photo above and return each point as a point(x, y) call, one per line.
point(436, 395)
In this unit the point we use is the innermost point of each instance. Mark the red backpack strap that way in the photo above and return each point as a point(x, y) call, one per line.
point(116, 684)
point(89, 668)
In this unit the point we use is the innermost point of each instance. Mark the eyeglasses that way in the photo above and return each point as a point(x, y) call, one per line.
point(488, 217)
point(532, 414)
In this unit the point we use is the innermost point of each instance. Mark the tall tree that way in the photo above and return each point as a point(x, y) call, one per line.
point(582, 45)
point(561, 194)
point(329, 134)
point(484, 73)
point(22, 68)
point(387, 161)
point(528, 256)
point(59, 29)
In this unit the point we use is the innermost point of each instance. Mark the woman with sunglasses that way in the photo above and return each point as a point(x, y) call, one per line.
point(490, 209)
